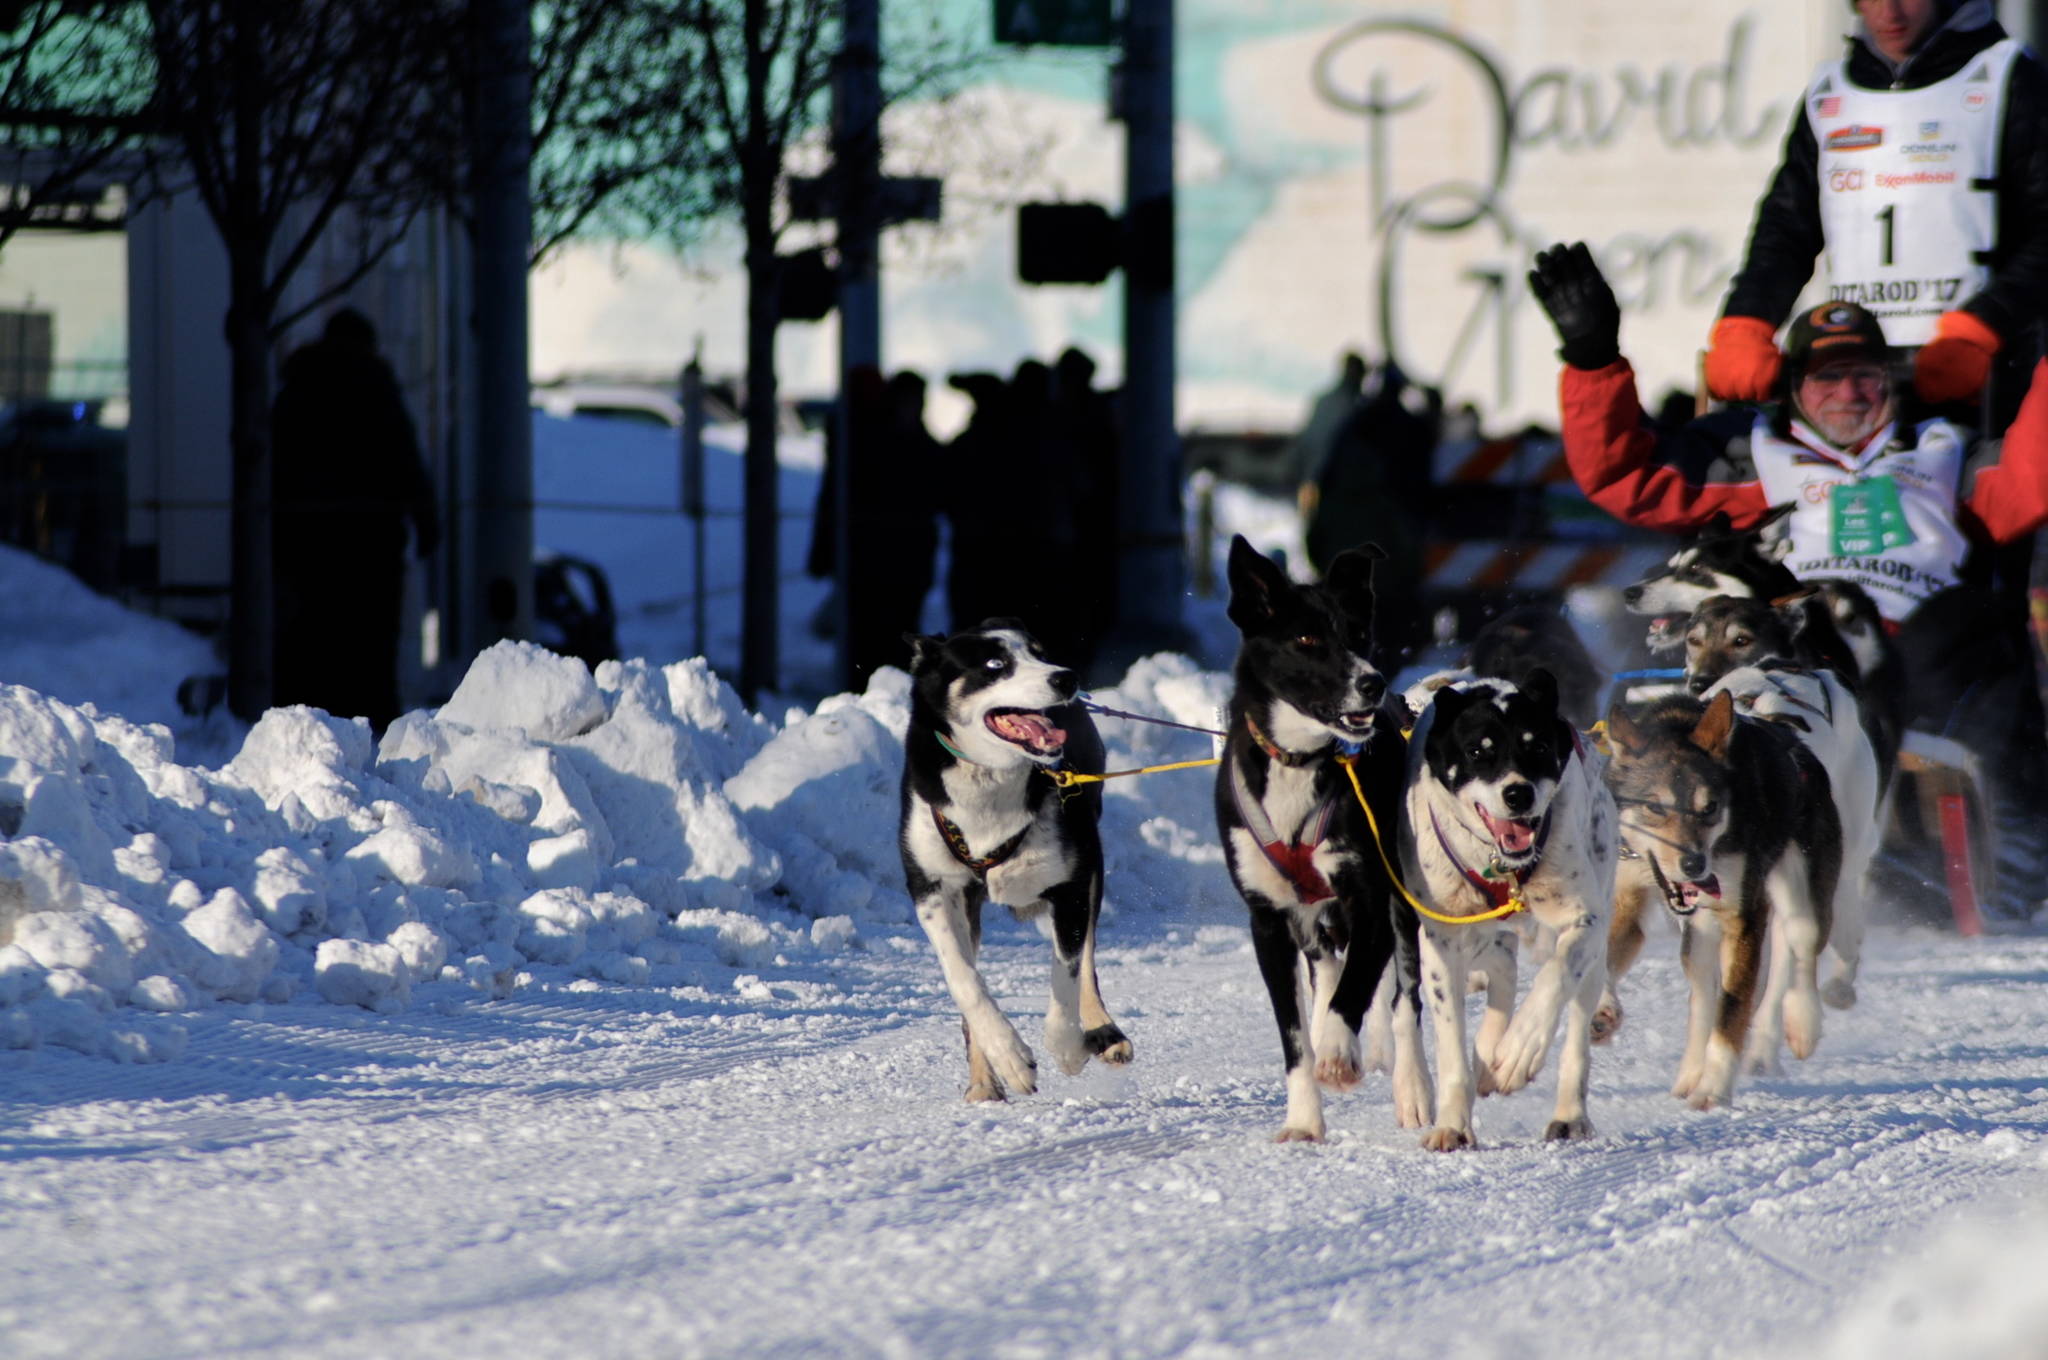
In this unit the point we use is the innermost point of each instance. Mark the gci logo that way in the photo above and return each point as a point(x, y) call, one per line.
point(1845, 181)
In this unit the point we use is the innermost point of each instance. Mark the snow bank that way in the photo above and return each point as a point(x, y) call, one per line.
point(58, 637)
point(635, 825)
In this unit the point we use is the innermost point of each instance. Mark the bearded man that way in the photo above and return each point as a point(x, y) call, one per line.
point(1904, 504)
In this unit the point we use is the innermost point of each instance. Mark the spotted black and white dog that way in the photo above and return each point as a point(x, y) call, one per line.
point(1505, 803)
point(1296, 836)
point(983, 820)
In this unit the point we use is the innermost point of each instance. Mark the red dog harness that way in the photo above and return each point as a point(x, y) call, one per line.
point(1293, 859)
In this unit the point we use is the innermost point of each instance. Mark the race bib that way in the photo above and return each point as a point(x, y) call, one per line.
point(1867, 518)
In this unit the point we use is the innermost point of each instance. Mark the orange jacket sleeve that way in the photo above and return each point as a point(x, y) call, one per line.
point(2010, 497)
point(1618, 459)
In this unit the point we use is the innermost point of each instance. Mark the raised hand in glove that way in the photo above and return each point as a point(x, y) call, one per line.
point(1954, 364)
point(1581, 305)
point(1743, 359)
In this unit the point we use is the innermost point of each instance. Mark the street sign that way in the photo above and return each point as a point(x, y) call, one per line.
point(1056, 23)
point(898, 198)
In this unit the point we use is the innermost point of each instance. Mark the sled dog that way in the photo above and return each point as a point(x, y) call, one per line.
point(984, 820)
point(1300, 847)
point(1505, 805)
point(1737, 832)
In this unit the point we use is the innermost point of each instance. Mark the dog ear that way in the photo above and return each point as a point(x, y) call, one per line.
point(1350, 573)
point(1623, 733)
point(1447, 703)
point(924, 649)
point(1716, 726)
point(1257, 586)
point(1773, 535)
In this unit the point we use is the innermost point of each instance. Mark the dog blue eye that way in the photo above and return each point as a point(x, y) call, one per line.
point(996, 663)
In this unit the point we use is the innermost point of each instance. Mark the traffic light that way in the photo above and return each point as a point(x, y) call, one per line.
point(810, 287)
point(1067, 243)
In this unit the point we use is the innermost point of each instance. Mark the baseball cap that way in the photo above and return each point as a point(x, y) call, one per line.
point(1831, 332)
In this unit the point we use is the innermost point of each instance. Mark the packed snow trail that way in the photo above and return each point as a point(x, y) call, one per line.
point(786, 1168)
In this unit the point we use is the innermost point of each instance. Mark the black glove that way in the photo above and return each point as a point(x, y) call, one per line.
point(1581, 305)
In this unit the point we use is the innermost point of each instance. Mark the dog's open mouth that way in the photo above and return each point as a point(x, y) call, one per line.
point(1666, 631)
point(1514, 837)
point(1358, 724)
point(1686, 897)
point(1027, 728)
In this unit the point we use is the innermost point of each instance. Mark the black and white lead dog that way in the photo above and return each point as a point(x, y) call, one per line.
point(1505, 803)
point(982, 820)
point(1297, 840)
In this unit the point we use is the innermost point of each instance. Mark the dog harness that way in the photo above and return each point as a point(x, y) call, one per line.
point(1293, 860)
point(1499, 885)
point(956, 841)
point(1502, 886)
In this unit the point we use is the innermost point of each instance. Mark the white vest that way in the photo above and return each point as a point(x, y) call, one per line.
point(1884, 518)
point(1907, 198)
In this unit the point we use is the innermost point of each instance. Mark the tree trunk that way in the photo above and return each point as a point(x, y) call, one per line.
point(761, 617)
point(760, 164)
point(251, 599)
point(252, 612)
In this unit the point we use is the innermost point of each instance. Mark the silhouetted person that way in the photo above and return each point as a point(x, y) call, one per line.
point(894, 519)
point(1309, 450)
point(1084, 441)
point(1010, 495)
point(348, 482)
point(1375, 487)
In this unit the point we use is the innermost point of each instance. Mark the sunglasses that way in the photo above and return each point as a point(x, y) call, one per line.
point(1846, 375)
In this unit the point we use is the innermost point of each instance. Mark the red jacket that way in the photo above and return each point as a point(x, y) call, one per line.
point(1675, 481)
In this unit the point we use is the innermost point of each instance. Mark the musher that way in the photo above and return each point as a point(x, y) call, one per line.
point(1888, 497)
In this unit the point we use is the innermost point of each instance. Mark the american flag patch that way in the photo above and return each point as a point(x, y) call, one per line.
point(1828, 106)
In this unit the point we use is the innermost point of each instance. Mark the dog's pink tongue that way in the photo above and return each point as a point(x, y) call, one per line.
point(1510, 835)
point(1691, 893)
point(1035, 728)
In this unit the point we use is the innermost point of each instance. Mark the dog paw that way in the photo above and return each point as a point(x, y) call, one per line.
point(1839, 993)
point(1290, 1134)
point(1688, 1081)
point(1568, 1130)
point(1337, 1072)
point(1379, 1043)
point(1762, 1062)
point(1067, 1046)
point(1444, 1138)
point(1483, 1084)
point(1014, 1066)
point(1414, 1102)
point(1713, 1088)
point(1519, 1057)
point(1108, 1043)
point(1607, 1020)
point(982, 1091)
point(1802, 1024)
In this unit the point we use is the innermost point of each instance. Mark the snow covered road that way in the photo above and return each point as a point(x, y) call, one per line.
point(787, 1169)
